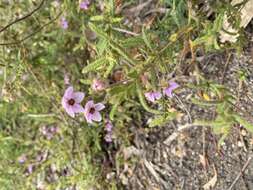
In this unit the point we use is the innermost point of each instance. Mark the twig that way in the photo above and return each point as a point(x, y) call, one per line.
point(125, 31)
point(241, 172)
point(32, 34)
point(184, 107)
point(157, 10)
point(225, 68)
point(175, 134)
point(22, 18)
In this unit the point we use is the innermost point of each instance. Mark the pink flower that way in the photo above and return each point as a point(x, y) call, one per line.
point(98, 85)
point(172, 86)
point(49, 132)
point(108, 137)
point(108, 125)
point(84, 4)
point(153, 96)
point(108, 129)
point(30, 169)
point(91, 111)
point(71, 101)
point(22, 159)
point(64, 23)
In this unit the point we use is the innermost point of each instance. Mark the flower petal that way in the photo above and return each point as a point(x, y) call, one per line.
point(68, 92)
point(168, 92)
point(108, 126)
point(108, 137)
point(149, 96)
point(88, 105)
point(64, 103)
point(88, 117)
point(96, 116)
point(173, 85)
point(70, 111)
point(157, 95)
point(77, 108)
point(99, 106)
point(78, 96)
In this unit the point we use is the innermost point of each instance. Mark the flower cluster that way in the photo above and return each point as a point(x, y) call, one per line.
point(64, 23)
point(84, 5)
point(49, 131)
point(71, 102)
point(108, 129)
point(152, 96)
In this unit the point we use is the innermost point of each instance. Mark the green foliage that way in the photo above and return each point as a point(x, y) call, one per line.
point(36, 54)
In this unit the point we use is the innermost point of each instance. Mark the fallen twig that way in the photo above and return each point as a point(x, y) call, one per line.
point(32, 34)
point(241, 172)
point(22, 18)
point(175, 134)
point(125, 31)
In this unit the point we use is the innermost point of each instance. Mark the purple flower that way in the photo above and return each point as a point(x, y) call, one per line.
point(22, 159)
point(29, 169)
point(108, 129)
point(49, 132)
point(108, 125)
point(64, 23)
point(91, 111)
point(172, 86)
point(153, 96)
point(98, 85)
point(108, 137)
point(71, 101)
point(84, 4)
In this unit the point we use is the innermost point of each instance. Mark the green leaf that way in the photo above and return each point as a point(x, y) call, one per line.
point(109, 69)
point(101, 46)
point(158, 121)
point(94, 65)
point(162, 119)
point(145, 38)
point(99, 32)
point(244, 123)
point(97, 18)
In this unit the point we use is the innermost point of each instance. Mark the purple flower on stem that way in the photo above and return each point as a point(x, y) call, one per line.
point(49, 132)
point(98, 85)
point(64, 23)
point(108, 129)
point(84, 4)
point(153, 96)
point(108, 125)
point(91, 111)
point(108, 137)
point(71, 101)
point(22, 159)
point(172, 86)
point(29, 169)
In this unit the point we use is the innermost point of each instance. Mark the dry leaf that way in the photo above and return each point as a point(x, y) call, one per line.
point(210, 184)
point(246, 16)
point(203, 160)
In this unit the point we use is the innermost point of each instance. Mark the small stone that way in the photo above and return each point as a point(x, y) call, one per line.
point(239, 144)
point(243, 132)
